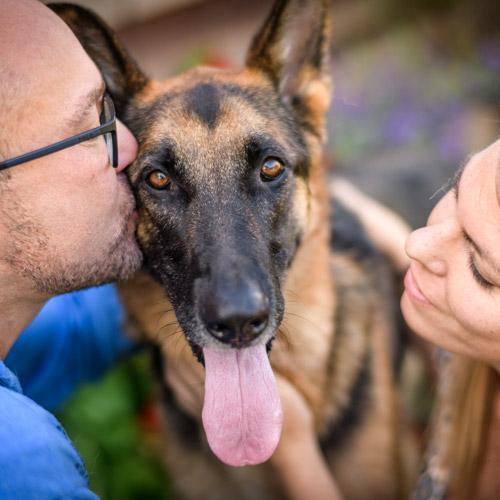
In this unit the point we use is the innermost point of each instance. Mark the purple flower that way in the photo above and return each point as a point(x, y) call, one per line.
point(489, 54)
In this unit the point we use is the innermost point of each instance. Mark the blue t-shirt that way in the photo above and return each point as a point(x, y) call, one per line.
point(37, 459)
point(75, 338)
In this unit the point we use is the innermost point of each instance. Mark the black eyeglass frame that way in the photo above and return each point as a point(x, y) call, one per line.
point(105, 128)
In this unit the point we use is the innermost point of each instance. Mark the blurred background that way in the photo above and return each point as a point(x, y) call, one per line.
point(416, 90)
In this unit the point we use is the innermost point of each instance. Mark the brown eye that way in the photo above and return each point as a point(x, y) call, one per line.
point(158, 180)
point(271, 170)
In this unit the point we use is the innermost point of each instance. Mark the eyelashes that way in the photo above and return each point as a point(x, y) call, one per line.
point(479, 278)
point(477, 275)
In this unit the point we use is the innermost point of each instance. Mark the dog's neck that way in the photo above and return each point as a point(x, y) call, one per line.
point(310, 302)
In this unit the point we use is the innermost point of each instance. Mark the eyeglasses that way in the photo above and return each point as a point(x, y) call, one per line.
point(107, 129)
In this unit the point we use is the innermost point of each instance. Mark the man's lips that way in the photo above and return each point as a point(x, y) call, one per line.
point(413, 290)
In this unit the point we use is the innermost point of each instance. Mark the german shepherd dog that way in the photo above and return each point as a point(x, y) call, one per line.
point(256, 270)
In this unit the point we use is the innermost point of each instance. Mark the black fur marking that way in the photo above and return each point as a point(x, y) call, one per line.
point(348, 235)
point(302, 112)
point(273, 108)
point(263, 146)
point(197, 352)
point(259, 56)
point(351, 416)
point(318, 60)
point(203, 100)
point(186, 428)
point(163, 156)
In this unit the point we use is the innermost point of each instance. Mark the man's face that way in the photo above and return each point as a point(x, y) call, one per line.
point(67, 220)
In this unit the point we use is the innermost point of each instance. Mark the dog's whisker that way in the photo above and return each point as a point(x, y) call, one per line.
point(165, 313)
point(303, 318)
point(291, 336)
point(296, 295)
point(162, 335)
point(168, 325)
point(159, 315)
point(282, 337)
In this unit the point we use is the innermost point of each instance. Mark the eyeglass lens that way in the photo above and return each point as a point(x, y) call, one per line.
point(105, 117)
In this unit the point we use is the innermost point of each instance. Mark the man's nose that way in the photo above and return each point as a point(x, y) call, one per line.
point(127, 146)
point(432, 246)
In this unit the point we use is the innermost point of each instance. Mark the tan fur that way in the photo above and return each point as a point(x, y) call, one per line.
point(338, 327)
point(301, 354)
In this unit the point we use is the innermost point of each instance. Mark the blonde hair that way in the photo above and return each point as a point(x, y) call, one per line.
point(471, 395)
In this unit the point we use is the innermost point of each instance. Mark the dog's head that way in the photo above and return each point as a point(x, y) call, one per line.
point(223, 175)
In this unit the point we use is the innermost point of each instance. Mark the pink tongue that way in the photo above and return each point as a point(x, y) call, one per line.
point(242, 412)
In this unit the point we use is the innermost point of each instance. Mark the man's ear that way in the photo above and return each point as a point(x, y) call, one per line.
point(122, 75)
point(292, 48)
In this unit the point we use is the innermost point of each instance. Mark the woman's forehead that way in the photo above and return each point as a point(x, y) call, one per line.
point(495, 152)
point(478, 190)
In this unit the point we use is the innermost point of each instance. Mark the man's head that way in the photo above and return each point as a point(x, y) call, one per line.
point(67, 220)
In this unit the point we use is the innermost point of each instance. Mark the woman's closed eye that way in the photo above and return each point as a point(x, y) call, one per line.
point(480, 279)
point(476, 273)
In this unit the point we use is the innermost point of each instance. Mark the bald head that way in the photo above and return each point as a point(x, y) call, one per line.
point(31, 41)
point(39, 56)
point(28, 25)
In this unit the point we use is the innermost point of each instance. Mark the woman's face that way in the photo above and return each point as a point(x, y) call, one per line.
point(452, 289)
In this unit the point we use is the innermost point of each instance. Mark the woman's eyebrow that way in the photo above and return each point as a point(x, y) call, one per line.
point(455, 182)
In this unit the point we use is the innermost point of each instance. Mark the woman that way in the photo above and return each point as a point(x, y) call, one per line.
point(452, 299)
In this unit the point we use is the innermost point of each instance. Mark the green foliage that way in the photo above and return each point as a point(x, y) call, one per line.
point(114, 427)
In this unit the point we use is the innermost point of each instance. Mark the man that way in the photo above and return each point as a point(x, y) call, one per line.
point(67, 221)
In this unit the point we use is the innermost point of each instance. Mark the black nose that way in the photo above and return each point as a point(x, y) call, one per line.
point(235, 315)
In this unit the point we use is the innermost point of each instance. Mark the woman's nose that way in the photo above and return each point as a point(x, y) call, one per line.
point(429, 246)
point(127, 146)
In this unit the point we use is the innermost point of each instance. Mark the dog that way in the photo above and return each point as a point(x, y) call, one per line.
point(272, 312)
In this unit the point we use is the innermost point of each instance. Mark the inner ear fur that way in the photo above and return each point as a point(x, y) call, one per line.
point(120, 72)
point(293, 49)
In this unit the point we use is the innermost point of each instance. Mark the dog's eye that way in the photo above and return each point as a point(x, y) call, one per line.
point(158, 179)
point(271, 170)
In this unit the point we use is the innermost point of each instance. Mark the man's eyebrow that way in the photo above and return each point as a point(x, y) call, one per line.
point(85, 106)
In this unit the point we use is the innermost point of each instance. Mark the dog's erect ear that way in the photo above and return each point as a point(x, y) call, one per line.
point(122, 76)
point(292, 48)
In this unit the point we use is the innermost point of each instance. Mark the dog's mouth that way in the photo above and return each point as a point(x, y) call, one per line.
point(198, 350)
point(242, 413)
point(228, 314)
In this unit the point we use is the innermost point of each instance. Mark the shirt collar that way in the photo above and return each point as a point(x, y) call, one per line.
point(8, 379)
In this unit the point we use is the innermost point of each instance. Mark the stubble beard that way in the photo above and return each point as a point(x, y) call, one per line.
point(28, 254)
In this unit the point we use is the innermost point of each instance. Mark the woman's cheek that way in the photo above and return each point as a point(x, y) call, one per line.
point(471, 309)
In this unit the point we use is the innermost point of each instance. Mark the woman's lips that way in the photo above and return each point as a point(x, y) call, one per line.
point(413, 290)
